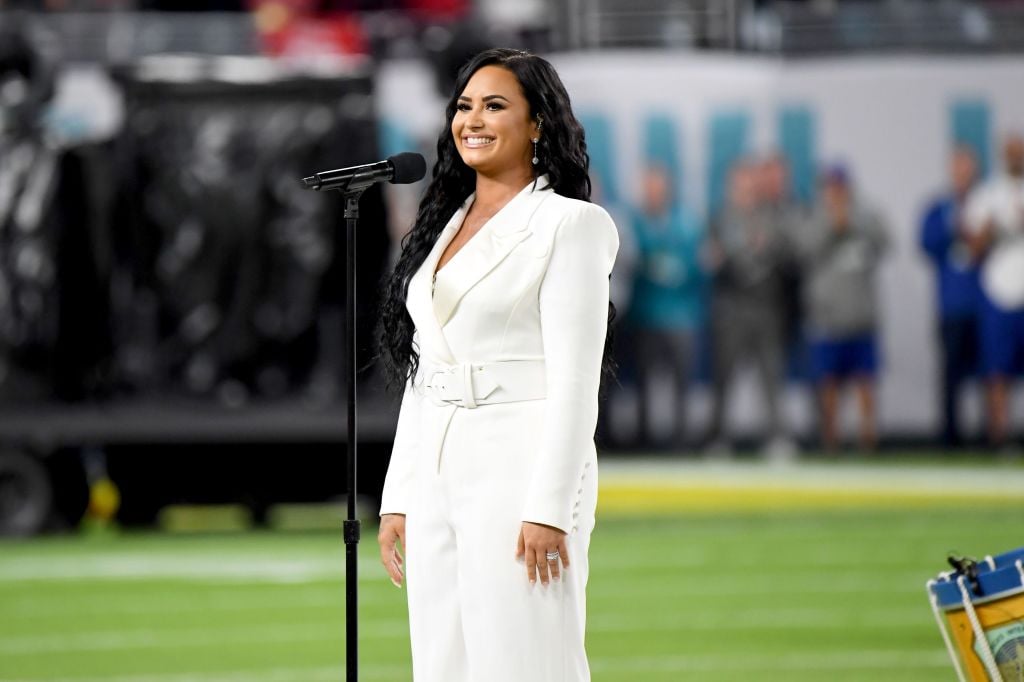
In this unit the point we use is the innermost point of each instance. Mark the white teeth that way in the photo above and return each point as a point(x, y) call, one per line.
point(479, 140)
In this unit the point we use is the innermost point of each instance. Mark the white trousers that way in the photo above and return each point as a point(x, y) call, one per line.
point(473, 615)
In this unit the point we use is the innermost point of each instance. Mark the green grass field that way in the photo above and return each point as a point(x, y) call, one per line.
point(802, 591)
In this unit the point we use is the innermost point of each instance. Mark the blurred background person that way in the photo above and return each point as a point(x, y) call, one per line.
point(944, 239)
point(667, 304)
point(784, 215)
point(995, 220)
point(746, 254)
point(841, 247)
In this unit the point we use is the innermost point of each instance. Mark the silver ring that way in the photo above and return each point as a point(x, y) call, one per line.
point(553, 556)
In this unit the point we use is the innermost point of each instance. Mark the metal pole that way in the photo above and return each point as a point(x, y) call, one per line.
point(351, 524)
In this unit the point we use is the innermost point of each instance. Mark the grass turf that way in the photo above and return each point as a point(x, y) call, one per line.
point(771, 594)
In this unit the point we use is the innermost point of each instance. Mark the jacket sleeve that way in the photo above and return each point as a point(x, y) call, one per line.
point(574, 318)
point(398, 481)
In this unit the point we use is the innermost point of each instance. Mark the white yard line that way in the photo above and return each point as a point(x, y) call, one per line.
point(163, 565)
point(753, 583)
point(41, 607)
point(126, 640)
point(726, 621)
point(762, 619)
point(827, 662)
point(889, 659)
point(324, 673)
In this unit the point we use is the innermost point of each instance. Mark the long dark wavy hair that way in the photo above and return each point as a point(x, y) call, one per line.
point(562, 154)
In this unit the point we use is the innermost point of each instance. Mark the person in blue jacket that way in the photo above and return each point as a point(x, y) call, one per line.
point(667, 306)
point(944, 241)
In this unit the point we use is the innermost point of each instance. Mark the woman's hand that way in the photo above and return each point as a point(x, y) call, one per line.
point(391, 538)
point(535, 542)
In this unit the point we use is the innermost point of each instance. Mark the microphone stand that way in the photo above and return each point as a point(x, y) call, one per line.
point(410, 168)
point(350, 527)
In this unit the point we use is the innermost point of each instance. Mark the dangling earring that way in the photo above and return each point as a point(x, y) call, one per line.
point(540, 124)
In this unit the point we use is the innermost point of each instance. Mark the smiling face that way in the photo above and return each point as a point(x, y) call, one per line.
point(492, 126)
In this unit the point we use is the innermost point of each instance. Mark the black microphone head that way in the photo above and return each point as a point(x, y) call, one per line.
point(409, 167)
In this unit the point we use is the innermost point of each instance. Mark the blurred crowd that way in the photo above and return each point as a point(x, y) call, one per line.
point(181, 282)
point(789, 290)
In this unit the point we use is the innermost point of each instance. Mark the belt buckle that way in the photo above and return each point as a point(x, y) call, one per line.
point(440, 384)
point(437, 381)
point(454, 380)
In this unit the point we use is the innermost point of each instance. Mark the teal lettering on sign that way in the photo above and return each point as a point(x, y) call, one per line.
point(971, 126)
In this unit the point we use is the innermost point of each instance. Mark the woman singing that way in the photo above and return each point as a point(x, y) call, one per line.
point(494, 321)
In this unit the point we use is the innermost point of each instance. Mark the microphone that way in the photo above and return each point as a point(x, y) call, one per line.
point(400, 169)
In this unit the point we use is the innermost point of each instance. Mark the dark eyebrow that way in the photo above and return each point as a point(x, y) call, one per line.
point(488, 98)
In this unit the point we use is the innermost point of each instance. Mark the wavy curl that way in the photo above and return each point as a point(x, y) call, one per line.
point(562, 151)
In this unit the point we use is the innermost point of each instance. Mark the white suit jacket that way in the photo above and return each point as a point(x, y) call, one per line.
point(531, 284)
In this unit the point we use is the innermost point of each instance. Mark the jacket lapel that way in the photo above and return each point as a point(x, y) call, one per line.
point(418, 298)
point(486, 249)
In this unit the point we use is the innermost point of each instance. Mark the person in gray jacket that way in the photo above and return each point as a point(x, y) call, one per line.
point(840, 248)
point(746, 256)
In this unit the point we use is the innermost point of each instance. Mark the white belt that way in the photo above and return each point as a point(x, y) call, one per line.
point(470, 384)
